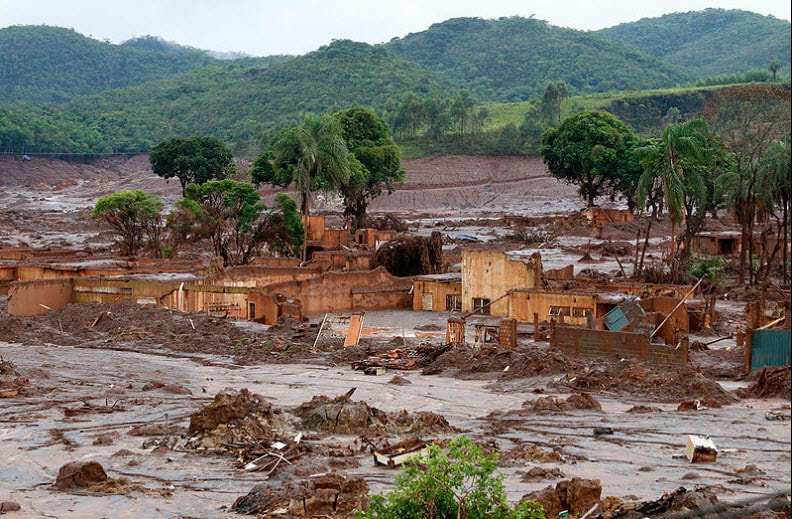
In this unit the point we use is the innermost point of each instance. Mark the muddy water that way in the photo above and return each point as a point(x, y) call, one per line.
point(191, 484)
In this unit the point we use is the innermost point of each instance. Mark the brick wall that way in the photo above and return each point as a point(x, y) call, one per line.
point(603, 343)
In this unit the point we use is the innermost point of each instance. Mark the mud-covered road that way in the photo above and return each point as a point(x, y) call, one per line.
point(643, 458)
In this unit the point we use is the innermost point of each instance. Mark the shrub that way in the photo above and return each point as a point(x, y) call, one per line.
point(708, 269)
point(460, 483)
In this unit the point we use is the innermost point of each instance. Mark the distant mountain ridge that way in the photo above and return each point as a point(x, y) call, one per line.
point(40, 63)
point(61, 91)
point(709, 42)
point(513, 58)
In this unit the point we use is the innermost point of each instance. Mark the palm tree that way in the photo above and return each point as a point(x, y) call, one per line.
point(317, 154)
point(680, 151)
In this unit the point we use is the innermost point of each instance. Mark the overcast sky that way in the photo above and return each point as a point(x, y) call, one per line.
point(261, 27)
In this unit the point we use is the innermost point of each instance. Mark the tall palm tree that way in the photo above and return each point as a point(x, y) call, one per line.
point(318, 155)
point(667, 160)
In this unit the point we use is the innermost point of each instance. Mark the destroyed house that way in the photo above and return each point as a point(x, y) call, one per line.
point(577, 308)
point(438, 292)
point(489, 276)
point(717, 244)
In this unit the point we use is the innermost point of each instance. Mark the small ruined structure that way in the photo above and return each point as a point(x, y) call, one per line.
point(489, 276)
point(438, 292)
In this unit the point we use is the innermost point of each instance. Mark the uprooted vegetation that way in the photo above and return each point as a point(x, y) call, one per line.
point(770, 382)
point(246, 425)
point(411, 256)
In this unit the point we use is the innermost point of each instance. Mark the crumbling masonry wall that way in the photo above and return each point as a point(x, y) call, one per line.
point(492, 274)
point(343, 291)
point(36, 297)
point(619, 345)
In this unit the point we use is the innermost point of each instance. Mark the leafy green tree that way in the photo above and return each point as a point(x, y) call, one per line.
point(133, 216)
point(229, 210)
point(375, 162)
point(186, 223)
point(193, 160)
point(509, 141)
point(463, 483)
point(282, 228)
point(685, 161)
point(551, 103)
point(312, 155)
point(750, 119)
point(588, 149)
point(774, 67)
point(774, 193)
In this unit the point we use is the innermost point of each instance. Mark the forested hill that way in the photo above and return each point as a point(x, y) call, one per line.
point(40, 63)
point(710, 42)
point(513, 58)
point(234, 102)
point(61, 92)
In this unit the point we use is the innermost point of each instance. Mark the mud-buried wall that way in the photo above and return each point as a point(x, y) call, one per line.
point(36, 297)
point(603, 343)
point(343, 291)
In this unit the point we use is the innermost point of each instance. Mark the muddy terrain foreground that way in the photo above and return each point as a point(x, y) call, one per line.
point(175, 429)
point(133, 411)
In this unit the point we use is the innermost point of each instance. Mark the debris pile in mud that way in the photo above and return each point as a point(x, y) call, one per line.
point(576, 495)
point(770, 382)
point(403, 359)
point(80, 474)
point(551, 404)
point(332, 494)
point(342, 415)
point(679, 500)
point(522, 361)
point(11, 382)
point(237, 419)
point(128, 325)
point(658, 383)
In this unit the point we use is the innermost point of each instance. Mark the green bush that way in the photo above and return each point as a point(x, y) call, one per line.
point(708, 269)
point(460, 483)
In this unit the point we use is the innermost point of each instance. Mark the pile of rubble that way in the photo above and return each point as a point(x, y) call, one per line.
point(402, 358)
point(128, 325)
point(267, 439)
point(321, 495)
point(657, 383)
point(770, 382)
point(11, 382)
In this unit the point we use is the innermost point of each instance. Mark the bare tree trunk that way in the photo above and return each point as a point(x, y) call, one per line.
point(743, 250)
point(785, 223)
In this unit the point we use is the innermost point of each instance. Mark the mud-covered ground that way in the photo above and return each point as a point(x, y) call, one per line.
point(133, 388)
point(121, 393)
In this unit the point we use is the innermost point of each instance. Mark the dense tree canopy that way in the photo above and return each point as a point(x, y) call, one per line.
point(193, 160)
point(376, 160)
point(230, 210)
point(312, 155)
point(132, 215)
point(588, 149)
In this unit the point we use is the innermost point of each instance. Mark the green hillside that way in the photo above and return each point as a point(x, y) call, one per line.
point(40, 63)
point(62, 92)
point(710, 42)
point(642, 110)
point(512, 59)
point(234, 102)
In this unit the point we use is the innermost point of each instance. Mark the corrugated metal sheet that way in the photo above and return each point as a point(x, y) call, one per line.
point(770, 348)
point(627, 312)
